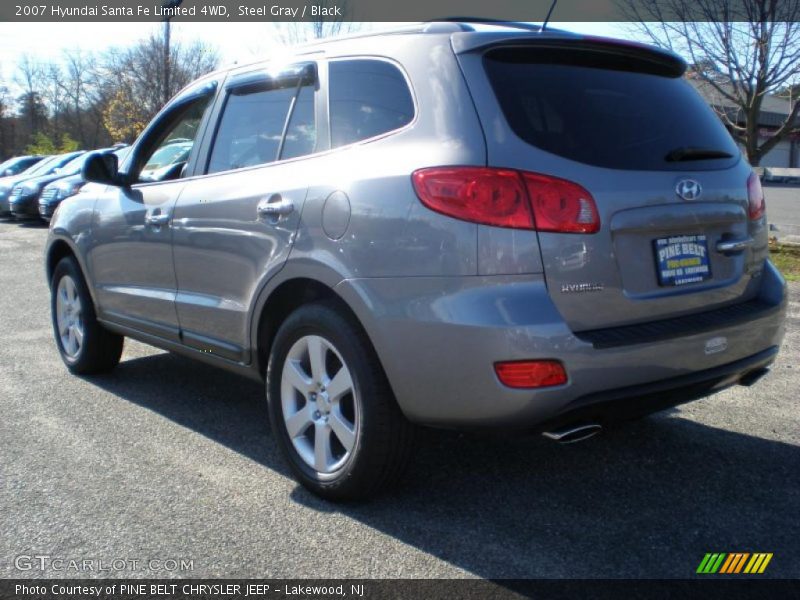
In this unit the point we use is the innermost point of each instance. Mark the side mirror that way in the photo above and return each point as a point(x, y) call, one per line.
point(102, 167)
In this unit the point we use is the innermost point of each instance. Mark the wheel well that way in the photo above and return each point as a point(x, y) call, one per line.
point(287, 297)
point(58, 251)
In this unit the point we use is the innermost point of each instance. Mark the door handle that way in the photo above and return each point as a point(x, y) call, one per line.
point(274, 206)
point(157, 220)
point(731, 246)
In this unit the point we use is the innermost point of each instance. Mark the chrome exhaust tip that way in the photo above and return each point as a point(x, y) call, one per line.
point(573, 433)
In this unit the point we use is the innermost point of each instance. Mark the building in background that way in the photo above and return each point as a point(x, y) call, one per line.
point(774, 112)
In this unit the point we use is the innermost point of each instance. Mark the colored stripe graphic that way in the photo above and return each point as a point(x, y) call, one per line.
point(711, 563)
point(734, 562)
point(758, 563)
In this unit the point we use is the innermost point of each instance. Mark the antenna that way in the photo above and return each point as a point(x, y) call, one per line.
point(549, 12)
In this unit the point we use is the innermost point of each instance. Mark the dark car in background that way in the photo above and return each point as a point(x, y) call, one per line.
point(18, 164)
point(23, 202)
point(60, 189)
point(46, 165)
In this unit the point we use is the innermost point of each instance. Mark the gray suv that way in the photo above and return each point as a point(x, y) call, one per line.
point(442, 226)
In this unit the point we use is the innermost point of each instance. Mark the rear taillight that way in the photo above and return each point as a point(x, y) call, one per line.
point(476, 194)
point(560, 205)
point(755, 197)
point(531, 373)
point(507, 198)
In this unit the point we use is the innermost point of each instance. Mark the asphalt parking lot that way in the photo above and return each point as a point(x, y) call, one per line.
point(168, 459)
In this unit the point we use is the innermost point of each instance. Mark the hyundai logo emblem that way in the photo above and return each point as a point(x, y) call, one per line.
point(688, 189)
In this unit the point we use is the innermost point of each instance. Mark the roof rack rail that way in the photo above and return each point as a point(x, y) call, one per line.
point(486, 21)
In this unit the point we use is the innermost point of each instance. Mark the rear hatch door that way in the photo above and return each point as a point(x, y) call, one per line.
point(669, 182)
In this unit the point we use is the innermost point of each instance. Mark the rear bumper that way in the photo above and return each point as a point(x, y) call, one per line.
point(639, 400)
point(438, 339)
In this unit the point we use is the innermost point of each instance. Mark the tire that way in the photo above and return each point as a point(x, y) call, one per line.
point(342, 399)
point(85, 346)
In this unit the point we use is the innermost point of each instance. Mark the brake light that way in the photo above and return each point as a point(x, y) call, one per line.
point(507, 198)
point(755, 196)
point(560, 205)
point(531, 373)
point(475, 194)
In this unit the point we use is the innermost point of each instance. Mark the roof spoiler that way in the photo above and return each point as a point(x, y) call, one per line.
point(664, 61)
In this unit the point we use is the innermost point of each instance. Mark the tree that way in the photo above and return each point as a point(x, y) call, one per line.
point(743, 50)
point(44, 144)
point(123, 118)
point(29, 77)
point(41, 144)
point(136, 75)
point(300, 32)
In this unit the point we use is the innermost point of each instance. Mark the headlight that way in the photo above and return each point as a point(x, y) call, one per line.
point(68, 190)
point(30, 188)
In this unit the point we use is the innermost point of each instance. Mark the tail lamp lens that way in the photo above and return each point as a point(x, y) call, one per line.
point(507, 198)
point(527, 374)
point(560, 205)
point(755, 196)
point(475, 194)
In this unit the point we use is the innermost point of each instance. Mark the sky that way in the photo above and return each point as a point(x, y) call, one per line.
point(236, 42)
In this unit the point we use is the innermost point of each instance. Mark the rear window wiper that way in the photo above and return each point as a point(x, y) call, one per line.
point(694, 153)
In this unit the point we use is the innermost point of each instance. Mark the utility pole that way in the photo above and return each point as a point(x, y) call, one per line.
point(168, 4)
point(165, 99)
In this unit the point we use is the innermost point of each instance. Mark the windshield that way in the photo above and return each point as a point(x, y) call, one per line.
point(122, 153)
point(75, 165)
point(586, 107)
point(43, 167)
point(9, 163)
point(58, 162)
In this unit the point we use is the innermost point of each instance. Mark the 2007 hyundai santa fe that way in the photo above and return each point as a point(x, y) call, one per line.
point(442, 226)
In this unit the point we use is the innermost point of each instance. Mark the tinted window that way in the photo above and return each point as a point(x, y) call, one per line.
point(604, 114)
point(13, 166)
point(164, 154)
point(301, 135)
point(367, 98)
point(252, 124)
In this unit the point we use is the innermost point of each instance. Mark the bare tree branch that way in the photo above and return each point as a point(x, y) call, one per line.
point(743, 51)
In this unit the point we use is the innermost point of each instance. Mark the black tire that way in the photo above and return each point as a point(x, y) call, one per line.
point(383, 438)
point(100, 349)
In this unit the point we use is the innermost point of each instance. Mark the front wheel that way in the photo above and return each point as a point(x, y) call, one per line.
point(331, 407)
point(85, 346)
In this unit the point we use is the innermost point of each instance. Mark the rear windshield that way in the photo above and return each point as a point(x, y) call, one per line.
point(603, 112)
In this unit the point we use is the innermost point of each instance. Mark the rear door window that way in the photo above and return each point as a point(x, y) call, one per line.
point(264, 123)
point(606, 113)
point(367, 98)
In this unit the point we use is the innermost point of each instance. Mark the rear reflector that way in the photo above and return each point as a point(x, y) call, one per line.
point(755, 196)
point(531, 373)
point(507, 198)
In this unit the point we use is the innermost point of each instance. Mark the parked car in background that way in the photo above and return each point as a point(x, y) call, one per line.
point(504, 228)
point(168, 161)
point(23, 201)
point(61, 189)
point(7, 183)
point(18, 164)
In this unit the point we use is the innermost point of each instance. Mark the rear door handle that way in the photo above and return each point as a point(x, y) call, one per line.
point(731, 246)
point(274, 206)
point(157, 220)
